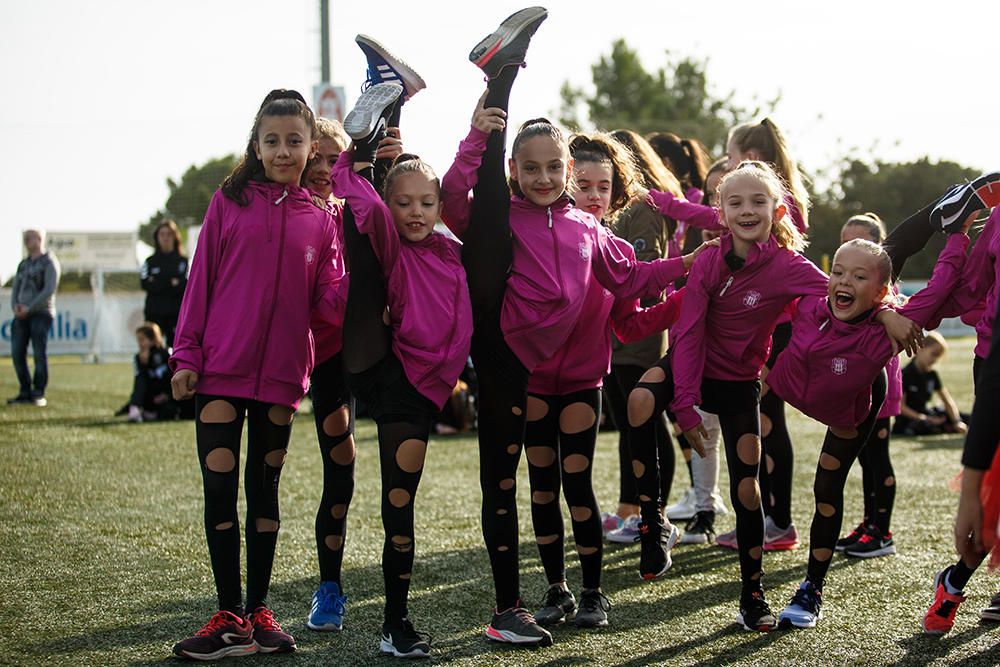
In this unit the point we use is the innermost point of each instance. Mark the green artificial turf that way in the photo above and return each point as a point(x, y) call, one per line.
point(103, 557)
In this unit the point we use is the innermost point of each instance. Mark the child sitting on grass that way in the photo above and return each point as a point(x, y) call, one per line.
point(920, 383)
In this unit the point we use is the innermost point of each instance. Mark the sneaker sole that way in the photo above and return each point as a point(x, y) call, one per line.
point(884, 551)
point(387, 648)
point(787, 623)
point(591, 624)
point(990, 614)
point(284, 647)
point(413, 83)
point(326, 627)
point(511, 27)
point(760, 628)
point(508, 637)
point(623, 539)
point(694, 538)
point(367, 113)
point(237, 649)
point(781, 546)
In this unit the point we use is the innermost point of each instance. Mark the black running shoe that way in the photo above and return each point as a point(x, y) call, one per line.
point(593, 612)
point(507, 44)
point(755, 615)
point(700, 529)
point(517, 626)
point(951, 211)
point(367, 121)
point(657, 541)
point(851, 538)
point(558, 605)
point(20, 399)
point(400, 640)
point(872, 544)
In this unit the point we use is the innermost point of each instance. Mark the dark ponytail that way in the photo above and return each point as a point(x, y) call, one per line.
point(279, 102)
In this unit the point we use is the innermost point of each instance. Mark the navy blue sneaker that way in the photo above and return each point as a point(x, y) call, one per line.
point(328, 608)
point(507, 44)
point(384, 67)
point(804, 609)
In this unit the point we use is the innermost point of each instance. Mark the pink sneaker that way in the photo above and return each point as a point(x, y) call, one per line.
point(779, 539)
point(727, 540)
point(610, 522)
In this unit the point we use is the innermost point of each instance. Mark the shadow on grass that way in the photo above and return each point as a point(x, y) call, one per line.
point(922, 648)
point(934, 442)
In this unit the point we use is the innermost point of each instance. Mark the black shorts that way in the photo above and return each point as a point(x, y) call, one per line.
point(388, 394)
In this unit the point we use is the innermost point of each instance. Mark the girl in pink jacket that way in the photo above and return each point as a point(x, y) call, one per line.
point(734, 295)
point(564, 397)
point(836, 351)
point(529, 261)
point(407, 331)
point(262, 274)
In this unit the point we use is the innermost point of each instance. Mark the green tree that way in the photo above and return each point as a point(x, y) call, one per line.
point(893, 190)
point(190, 197)
point(673, 98)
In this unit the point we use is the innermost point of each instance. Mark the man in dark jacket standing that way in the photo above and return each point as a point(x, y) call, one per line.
point(33, 301)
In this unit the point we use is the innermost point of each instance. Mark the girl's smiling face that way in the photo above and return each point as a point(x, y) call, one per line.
point(748, 210)
point(415, 206)
point(856, 284)
point(541, 168)
point(318, 174)
point(593, 181)
point(284, 145)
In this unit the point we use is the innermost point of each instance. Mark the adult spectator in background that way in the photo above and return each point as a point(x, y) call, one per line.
point(34, 303)
point(164, 277)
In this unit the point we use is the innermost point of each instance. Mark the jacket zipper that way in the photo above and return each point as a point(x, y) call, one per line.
point(726, 286)
point(274, 291)
point(555, 253)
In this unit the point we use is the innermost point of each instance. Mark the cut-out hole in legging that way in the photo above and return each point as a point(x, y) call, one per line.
point(402, 446)
point(736, 405)
point(878, 477)
point(619, 384)
point(557, 446)
point(503, 379)
point(835, 461)
point(265, 441)
point(333, 409)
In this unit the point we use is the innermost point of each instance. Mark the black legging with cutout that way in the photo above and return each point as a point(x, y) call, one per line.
point(736, 404)
point(878, 477)
point(218, 429)
point(559, 443)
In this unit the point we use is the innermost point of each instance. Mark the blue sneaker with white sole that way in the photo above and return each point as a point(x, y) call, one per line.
point(804, 609)
point(385, 67)
point(328, 608)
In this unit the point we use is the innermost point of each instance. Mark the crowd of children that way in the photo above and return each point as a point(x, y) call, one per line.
point(573, 258)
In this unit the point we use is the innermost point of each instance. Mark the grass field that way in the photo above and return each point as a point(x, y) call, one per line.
point(103, 558)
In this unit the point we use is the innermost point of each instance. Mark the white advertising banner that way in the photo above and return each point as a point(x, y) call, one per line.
point(83, 251)
point(85, 323)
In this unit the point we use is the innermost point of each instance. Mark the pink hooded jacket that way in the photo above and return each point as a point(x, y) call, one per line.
point(726, 321)
point(426, 289)
point(261, 276)
point(585, 358)
point(828, 367)
point(557, 250)
point(329, 336)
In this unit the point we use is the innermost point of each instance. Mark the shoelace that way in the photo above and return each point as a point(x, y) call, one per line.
point(264, 619)
point(413, 635)
point(332, 602)
point(551, 597)
point(214, 624)
point(524, 615)
point(807, 598)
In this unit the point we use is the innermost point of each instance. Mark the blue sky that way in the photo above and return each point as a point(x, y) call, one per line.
point(105, 100)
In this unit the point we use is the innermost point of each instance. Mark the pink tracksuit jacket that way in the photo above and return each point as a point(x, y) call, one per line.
point(329, 337)
point(557, 251)
point(426, 289)
point(261, 276)
point(828, 367)
point(727, 318)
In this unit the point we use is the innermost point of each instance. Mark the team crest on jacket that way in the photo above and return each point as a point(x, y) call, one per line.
point(310, 254)
point(838, 365)
point(584, 250)
point(751, 298)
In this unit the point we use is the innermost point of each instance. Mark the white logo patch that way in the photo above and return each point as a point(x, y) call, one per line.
point(310, 254)
point(751, 298)
point(584, 250)
point(838, 365)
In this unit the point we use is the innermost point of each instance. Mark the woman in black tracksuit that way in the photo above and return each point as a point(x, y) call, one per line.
point(163, 277)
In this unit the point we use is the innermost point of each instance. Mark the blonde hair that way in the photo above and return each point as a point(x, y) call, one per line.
point(872, 224)
point(333, 130)
point(937, 339)
point(784, 230)
point(769, 143)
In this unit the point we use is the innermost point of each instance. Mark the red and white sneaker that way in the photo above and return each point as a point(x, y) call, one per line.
point(963, 200)
point(267, 634)
point(940, 617)
point(225, 634)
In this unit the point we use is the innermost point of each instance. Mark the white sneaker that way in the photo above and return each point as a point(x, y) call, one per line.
point(628, 533)
point(684, 509)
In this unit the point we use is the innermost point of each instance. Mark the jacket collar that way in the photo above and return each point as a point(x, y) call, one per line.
point(758, 251)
